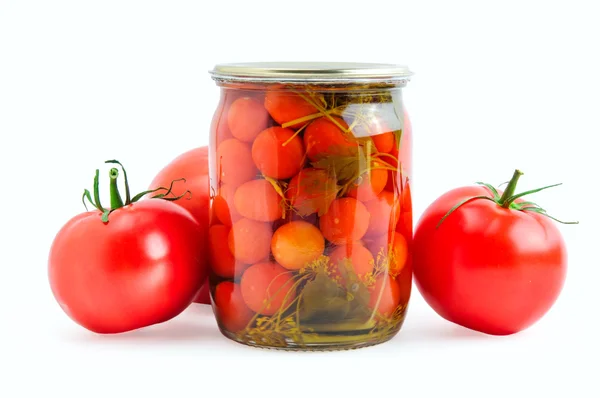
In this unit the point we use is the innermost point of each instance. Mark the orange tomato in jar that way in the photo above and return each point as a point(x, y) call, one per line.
point(296, 244)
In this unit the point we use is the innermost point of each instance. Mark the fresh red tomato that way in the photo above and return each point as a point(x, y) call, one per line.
point(134, 266)
point(193, 166)
point(495, 264)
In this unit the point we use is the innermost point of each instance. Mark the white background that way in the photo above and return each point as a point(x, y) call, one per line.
point(498, 85)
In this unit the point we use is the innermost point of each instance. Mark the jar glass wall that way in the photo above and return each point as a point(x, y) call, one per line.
point(311, 215)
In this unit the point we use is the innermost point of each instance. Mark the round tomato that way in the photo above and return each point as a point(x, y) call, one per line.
point(134, 266)
point(493, 264)
point(193, 166)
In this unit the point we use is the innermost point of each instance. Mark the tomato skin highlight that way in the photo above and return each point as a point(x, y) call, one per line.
point(276, 154)
point(297, 243)
point(346, 221)
point(487, 268)
point(140, 268)
point(265, 287)
point(258, 200)
point(234, 162)
point(250, 240)
point(324, 138)
point(246, 118)
point(230, 309)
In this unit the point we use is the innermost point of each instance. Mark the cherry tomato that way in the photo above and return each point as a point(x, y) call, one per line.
point(359, 256)
point(323, 138)
point(346, 221)
point(137, 267)
point(230, 309)
point(488, 266)
point(193, 166)
point(267, 287)
point(246, 118)
point(223, 205)
point(384, 142)
point(296, 244)
point(250, 240)
point(369, 184)
point(381, 245)
point(285, 107)
point(234, 162)
point(385, 213)
point(258, 200)
point(278, 153)
point(222, 261)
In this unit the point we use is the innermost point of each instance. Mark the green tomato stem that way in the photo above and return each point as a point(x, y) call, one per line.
point(115, 198)
point(510, 190)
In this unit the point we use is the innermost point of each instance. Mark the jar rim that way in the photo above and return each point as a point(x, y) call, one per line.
point(312, 72)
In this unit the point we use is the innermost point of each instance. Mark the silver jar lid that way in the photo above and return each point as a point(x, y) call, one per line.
point(311, 72)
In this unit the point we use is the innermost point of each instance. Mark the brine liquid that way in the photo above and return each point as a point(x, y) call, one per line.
point(311, 216)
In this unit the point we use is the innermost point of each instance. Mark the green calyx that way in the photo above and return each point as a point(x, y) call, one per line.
point(116, 201)
point(508, 199)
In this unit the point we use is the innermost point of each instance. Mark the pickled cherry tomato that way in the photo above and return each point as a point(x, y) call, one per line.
point(223, 205)
point(324, 138)
point(311, 191)
point(234, 162)
point(346, 221)
point(278, 153)
point(246, 118)
point(384, 142)
point(399, 245)
point(361, 258)
point(222, 261)
point(296, 244)
point(285, 107)
point(267, 287)
point(258, 200)
point(385, 295)
point(385, 214)
point(250, 240)
point(231, 310)
point(370, 184)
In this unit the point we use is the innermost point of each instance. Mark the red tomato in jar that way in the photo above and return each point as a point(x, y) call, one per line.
point(489, 267)
point(138, 267)
point(193, 166)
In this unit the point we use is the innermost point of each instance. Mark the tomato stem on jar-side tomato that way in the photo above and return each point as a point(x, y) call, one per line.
point(507, 200)
point(116, 202)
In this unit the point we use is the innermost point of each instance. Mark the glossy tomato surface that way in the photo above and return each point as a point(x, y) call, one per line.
point(144, 266)
point(193, 166)
point(485, 267)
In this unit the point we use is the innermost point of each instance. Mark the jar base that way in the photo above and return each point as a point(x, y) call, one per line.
point(318, 342)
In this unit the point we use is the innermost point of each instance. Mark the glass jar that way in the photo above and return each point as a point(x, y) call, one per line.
point(311, 215)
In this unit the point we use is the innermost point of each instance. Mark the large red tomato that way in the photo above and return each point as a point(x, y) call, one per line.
point(137, 266)
point(494, 264)
point(193, 166)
